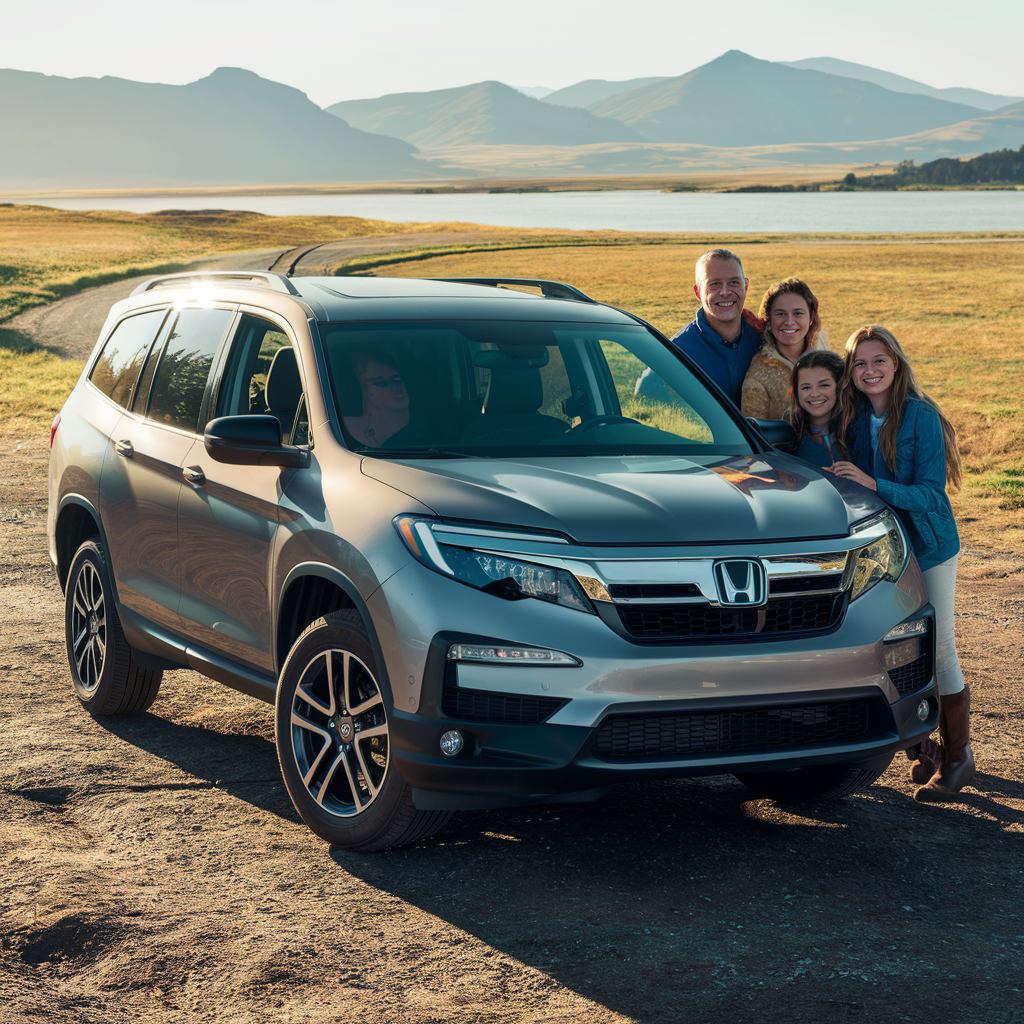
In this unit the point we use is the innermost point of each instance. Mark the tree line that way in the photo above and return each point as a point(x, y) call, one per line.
point(1002, 167)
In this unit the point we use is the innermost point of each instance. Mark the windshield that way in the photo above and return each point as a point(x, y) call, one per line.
point(503, 389)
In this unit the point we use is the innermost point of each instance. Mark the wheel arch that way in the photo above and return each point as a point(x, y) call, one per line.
point(310, 590)
point(76, 521)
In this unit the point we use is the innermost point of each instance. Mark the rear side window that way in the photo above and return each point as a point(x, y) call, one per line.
point(118, 366)
point(184, 368)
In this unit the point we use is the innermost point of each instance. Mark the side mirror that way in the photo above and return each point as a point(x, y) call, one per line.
point(778, 433)
point(251, 441)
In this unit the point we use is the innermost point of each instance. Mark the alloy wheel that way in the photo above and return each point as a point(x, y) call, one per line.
point(339, 733)
point(89, 626)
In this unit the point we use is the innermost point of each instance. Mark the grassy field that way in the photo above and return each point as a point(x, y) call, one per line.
point(957, 307)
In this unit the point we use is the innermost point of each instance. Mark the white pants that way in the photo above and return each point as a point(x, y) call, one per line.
point(941, 583)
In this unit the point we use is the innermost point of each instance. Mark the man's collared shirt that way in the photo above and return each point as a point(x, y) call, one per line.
point(725, 362)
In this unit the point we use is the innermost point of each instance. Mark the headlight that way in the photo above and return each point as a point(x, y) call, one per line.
point(884, 558)
point(503, 575)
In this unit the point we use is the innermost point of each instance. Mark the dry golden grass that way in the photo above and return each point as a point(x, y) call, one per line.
point(957, 308)
point(47, 253)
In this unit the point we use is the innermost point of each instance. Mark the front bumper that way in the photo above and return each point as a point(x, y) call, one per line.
point(506, 765)
point(561, 753)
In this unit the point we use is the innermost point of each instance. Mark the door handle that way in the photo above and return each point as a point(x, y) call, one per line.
point(193, 475)
point(125, 448)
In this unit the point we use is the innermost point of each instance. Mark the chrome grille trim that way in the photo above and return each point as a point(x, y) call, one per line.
point(832, 570)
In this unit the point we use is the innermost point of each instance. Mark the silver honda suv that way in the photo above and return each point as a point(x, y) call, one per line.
point(434, 523)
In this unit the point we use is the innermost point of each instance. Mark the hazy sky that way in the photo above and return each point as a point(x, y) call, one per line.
point(339, 49)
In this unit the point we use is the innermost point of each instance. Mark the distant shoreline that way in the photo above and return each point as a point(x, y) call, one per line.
point(720, 181)
point(775, 180)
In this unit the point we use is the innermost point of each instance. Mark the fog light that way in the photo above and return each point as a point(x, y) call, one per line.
point(451, 742)
point(923, 710)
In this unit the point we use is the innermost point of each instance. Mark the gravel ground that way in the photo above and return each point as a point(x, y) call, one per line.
point(153, 868)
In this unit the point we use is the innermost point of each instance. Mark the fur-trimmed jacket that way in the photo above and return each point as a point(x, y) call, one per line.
point(765, 392)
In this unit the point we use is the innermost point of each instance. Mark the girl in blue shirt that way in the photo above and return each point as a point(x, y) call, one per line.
point(903, 447)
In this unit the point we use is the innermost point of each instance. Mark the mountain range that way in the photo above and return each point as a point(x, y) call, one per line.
point(595, 90)
point(897, 83)
point(737, 100)
point(235, 128)
point(486, 112)
point(733, 102)
point(232, 127)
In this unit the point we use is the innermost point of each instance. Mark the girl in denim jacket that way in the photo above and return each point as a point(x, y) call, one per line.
point(903, 447)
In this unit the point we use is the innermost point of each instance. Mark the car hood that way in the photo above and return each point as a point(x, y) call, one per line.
point(638, 499)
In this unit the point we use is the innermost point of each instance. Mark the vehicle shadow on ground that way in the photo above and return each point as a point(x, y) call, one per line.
point(695, 899)
point(665, 901)
point(244, 766)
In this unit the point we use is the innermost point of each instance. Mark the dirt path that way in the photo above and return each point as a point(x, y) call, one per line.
point(326, 257)
point(69, 327)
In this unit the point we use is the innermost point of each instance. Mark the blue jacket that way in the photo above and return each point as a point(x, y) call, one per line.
point(917, 490)
point(725, 366)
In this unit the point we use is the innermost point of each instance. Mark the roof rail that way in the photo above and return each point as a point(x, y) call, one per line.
point(266, 279)
point(552, 289)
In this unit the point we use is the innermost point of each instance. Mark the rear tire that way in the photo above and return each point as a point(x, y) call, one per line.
point(819, 782)
point(106, 677)
point(332, 732)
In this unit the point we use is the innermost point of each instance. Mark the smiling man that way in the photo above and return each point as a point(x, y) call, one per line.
point(720, 339)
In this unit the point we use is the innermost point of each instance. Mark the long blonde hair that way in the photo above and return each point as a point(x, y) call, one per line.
point(904, 384)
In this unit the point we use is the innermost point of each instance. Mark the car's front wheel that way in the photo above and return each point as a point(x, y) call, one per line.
point(106, 676)
point(818, 782)
point(331, 726)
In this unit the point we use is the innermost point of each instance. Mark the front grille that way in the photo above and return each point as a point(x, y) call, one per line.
point(510, 709)
point(624, 736)
point(803, 584)
point(681, 622)
point(908, 678)
point(632, 591)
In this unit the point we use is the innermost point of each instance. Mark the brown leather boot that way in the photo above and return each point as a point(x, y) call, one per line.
point(927, 758)
point(957, 768)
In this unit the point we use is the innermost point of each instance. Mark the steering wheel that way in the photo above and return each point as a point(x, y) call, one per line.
point(600, 421)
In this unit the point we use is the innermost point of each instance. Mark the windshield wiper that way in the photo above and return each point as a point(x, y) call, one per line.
point(415, 453)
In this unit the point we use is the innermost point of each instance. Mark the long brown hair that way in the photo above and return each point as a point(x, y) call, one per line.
point(791, 286)
point(904, 384)
point(821, 359)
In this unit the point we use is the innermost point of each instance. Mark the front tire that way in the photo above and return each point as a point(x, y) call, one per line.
point(819, 782)
point(331, 727)
point(106, 677)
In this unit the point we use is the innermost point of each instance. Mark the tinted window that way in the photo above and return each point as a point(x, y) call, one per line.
point(262, 375)
point(117, 368)
point(181, 376)
point(508, 389)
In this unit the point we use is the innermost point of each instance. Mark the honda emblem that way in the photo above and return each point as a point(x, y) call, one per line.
point(741, 582)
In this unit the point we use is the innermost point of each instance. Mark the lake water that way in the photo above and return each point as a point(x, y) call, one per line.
point(631, 211)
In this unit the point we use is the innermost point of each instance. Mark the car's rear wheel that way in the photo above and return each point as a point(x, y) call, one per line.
point(818, 782)
point(332, 731)
point(105, 674)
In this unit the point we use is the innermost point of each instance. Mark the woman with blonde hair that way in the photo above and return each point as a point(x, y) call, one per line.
point(792, 326)
point(903, 447)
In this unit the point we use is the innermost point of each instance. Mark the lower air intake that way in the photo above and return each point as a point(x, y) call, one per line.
point(507, 709)
point(908, 678)
point(758, 729)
